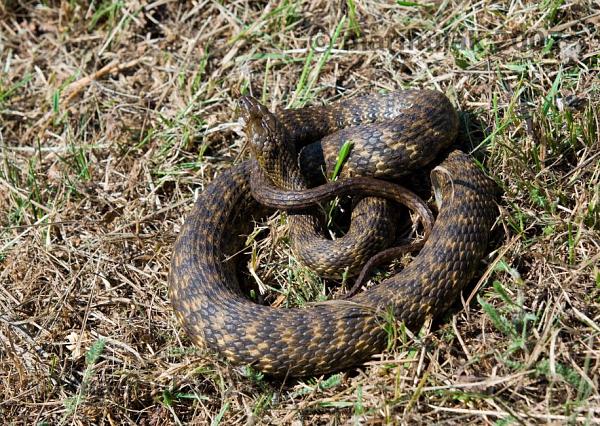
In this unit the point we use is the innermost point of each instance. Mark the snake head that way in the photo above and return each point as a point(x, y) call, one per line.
point(263, 130)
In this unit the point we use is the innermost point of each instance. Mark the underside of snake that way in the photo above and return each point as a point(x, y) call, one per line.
point(392, 135)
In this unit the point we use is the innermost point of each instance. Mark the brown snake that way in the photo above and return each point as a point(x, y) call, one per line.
point(203, 282)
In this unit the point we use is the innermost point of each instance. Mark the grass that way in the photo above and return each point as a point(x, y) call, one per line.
point(114, 115)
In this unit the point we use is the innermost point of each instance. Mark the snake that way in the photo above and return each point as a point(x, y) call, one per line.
point(205, 279)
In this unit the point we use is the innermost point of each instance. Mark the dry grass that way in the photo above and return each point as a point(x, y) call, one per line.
point(114, 115)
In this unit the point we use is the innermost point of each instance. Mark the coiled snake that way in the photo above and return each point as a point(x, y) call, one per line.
point(392, 134)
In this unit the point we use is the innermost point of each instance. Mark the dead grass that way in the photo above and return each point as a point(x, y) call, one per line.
point(114, 115)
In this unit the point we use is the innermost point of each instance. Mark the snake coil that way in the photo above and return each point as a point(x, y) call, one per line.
point(392, 134)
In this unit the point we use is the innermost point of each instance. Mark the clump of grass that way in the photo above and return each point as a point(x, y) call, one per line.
point(91, 358)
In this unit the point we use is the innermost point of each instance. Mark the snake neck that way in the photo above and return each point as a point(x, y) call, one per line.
point(282, 171)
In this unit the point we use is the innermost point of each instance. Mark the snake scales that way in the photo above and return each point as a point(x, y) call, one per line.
point(204, 279)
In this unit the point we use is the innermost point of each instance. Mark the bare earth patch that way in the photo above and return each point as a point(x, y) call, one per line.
point(114, 115)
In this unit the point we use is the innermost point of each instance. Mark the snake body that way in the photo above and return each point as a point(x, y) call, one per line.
point(203, 281)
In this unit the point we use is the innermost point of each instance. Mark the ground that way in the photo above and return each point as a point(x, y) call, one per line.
point(115, 115)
